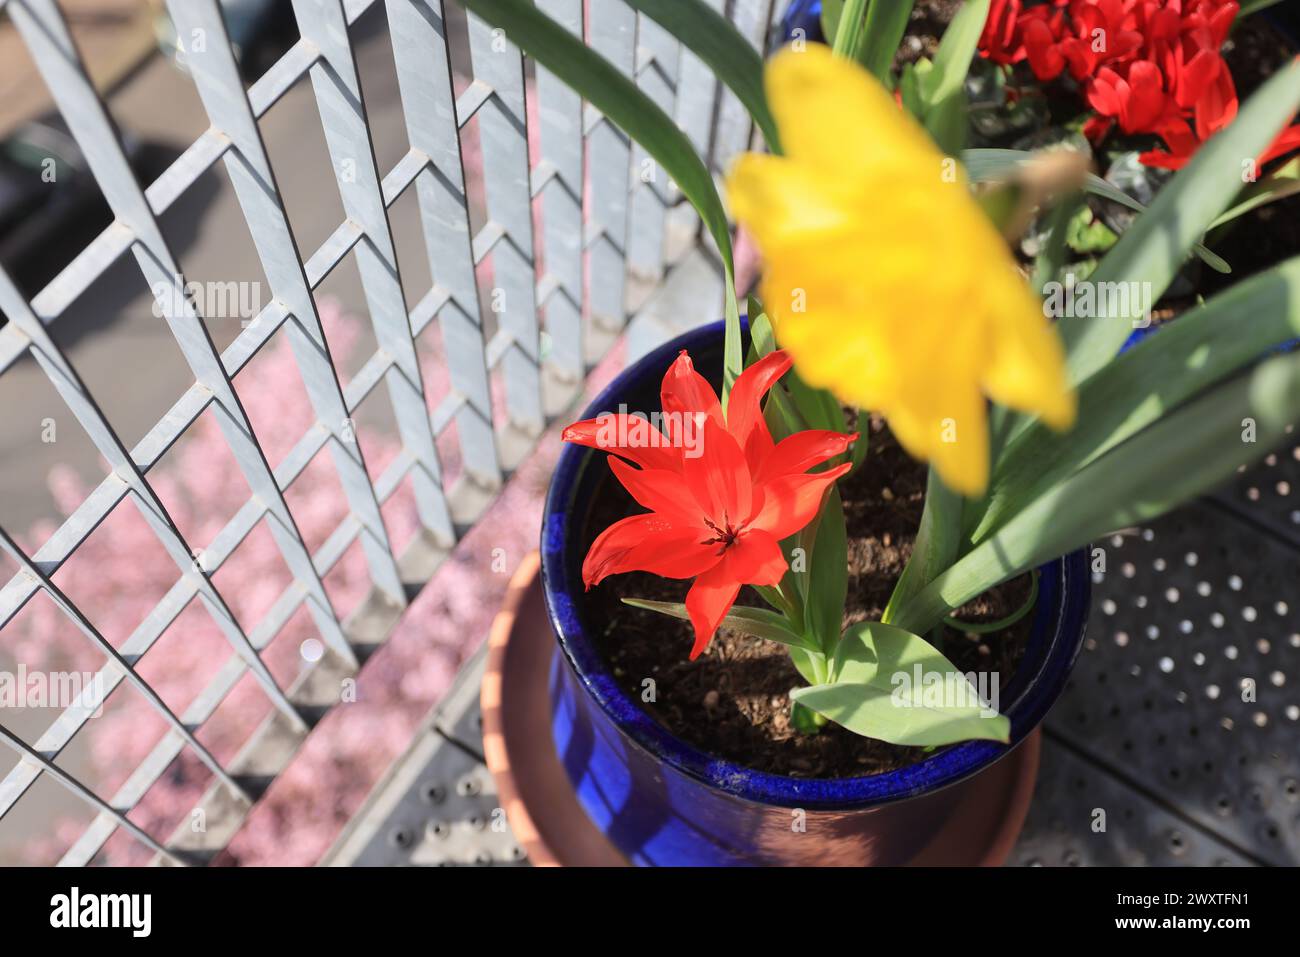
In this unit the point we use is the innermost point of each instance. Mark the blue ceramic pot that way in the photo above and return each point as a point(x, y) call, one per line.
point(805, 15)
point(662, 801)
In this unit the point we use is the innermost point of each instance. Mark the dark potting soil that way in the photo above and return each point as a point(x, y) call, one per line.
point(733, 701)
point(926, 24)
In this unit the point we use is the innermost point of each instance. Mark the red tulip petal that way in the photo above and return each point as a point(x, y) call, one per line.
point(707, 603)
point(719, 477)
point(1221, 21)
point(1146, 101)
point(661, 490)
point(647, 543)
point(755, 558)
point(792, 501)
point(1217, 106)
point(1045, 57)
point(683, 393)
point(1104, 93)
point(1179, 137)
point(630, 436)
point(1159, 159)
point(1078, 57)
point(1287, 140)
point(745, 411)
point(1128, 41)
point(1197, 76)
point(1096, 128)
point(801, 451)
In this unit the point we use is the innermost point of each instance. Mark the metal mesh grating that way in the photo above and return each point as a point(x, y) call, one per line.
point(1187, 682)
point(599, 217)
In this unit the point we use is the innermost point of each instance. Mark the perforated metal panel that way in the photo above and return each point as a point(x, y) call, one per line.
point(437, 806)
point(1188, 682)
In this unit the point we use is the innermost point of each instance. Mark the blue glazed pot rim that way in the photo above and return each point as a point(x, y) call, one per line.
point(1057, 638)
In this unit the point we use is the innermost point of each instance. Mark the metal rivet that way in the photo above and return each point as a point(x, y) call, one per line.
point(1177, 843)
point(433, 793)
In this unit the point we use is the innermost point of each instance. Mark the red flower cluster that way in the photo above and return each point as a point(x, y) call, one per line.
point(1150, 66)
point(718, 507)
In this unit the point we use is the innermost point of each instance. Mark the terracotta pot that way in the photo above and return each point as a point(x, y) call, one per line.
point(660, 800)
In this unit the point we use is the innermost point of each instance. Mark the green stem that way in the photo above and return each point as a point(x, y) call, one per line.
point(792, 599)
point(886, 24)
point(733, 359)
point(936, 544)
point(773, 596)
point(852, 29)
point(1047, 266)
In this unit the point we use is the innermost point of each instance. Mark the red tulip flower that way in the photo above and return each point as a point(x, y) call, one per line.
point(1001, 40)
point(1101, 32)
point(1042, 47)
point(1012, 33)
point(1148, 66)
point(722, 495)
point(1136, 99)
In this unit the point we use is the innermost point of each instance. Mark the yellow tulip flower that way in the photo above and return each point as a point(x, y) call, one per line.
point(885, 280)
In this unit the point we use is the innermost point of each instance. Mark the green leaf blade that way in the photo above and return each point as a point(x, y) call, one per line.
point(1185, 453)
point(1132, 392)
point(755, 622)
point(828, 575)
point(894, 686)
point(716, 41)
point(943, 88)
point(619, 99)
point(937, 541)
point(886, 24)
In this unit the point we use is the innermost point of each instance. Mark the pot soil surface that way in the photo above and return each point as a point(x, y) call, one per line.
point(733, 701)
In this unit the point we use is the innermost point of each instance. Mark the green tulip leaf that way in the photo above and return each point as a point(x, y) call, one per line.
point(756, 622)
point(894, 686)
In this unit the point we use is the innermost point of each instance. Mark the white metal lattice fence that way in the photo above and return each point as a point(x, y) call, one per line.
point(602, 243)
